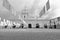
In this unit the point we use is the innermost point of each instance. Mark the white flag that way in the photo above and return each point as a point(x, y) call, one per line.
point(42, 11)
point(48, 5)
point(6, 4)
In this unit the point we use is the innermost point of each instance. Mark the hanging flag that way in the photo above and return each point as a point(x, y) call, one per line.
point(6, 4)
point(58, 18)
point(48, 5)
point(42, 11)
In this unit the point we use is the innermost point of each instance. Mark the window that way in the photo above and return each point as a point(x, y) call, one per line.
point(29, 25)
point(24, 16)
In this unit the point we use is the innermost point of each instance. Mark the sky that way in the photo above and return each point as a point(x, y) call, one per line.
point(21, 4)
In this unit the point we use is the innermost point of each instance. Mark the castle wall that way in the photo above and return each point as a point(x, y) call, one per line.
point(34, 22)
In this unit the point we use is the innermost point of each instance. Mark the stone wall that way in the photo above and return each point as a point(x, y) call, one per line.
point(34, 22)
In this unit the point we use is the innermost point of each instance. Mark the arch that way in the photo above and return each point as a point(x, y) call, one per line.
point(30, 25)
point(37, 25)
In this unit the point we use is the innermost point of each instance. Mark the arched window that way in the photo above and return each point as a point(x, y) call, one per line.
point(14, 26)
point(5, 26)
point(24, 16)
point(37, 25)
point(21, 26)
point(45, 25)
point(29, 25)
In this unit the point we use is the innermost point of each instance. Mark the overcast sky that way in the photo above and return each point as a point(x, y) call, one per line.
point(20, 4)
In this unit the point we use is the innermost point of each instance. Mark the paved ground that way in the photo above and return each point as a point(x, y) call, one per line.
point(33, 34)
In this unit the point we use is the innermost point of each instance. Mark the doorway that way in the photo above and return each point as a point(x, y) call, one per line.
point(29, 25)
point(37, 25)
